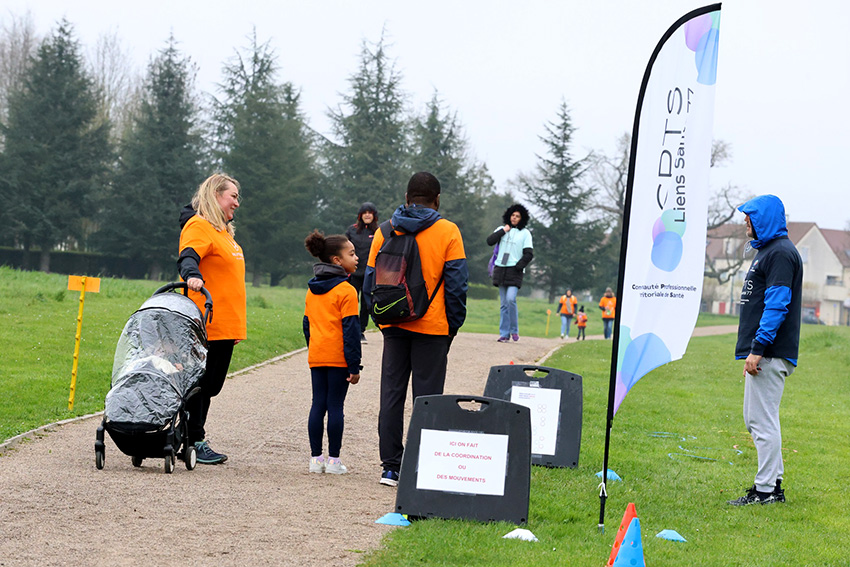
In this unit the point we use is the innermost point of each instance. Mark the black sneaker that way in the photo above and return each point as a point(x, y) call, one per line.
point(206, 455)
point(753, 496)
point(389, 478)
point(778, 493)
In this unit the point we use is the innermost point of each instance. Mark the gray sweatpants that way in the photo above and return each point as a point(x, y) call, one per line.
point(762, 395)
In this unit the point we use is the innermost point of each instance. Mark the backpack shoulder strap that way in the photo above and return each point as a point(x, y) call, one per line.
point(386, 229)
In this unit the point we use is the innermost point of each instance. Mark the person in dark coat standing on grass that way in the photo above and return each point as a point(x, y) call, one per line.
point(361, 234)
point(768, 339)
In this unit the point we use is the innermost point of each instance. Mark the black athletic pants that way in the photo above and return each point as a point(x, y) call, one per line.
point(219, 354)
point(425, 356)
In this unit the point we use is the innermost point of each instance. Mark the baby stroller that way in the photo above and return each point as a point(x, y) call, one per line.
point(161, 355)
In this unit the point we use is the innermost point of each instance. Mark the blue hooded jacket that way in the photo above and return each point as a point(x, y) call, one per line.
point(771, 299)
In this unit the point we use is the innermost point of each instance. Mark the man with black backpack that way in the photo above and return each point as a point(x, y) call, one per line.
point(416, 291)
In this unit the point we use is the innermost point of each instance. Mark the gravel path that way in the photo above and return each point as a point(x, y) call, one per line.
point(262, 507)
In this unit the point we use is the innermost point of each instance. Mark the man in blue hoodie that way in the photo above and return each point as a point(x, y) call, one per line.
point(419, 347)
point(768, 339)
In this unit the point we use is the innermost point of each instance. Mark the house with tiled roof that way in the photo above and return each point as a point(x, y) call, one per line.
point(826, 270)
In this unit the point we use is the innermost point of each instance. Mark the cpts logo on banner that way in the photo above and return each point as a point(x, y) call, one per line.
point(459, 461)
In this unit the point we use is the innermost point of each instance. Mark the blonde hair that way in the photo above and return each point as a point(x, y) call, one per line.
point(205, 204)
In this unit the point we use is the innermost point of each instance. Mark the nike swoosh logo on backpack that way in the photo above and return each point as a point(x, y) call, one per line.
point(379, 310)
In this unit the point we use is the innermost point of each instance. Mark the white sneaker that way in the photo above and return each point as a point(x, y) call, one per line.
point(317, 464)
point(335, 466)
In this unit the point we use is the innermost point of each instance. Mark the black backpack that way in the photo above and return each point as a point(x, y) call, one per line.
point(399, 294)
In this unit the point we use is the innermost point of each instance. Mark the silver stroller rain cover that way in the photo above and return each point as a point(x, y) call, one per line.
point(160, 357)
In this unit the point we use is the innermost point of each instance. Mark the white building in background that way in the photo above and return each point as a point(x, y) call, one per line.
point(826, 270)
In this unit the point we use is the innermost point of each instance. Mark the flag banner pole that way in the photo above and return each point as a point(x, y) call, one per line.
point(662, 249)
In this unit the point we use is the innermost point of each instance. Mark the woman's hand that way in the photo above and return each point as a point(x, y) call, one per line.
point(354, 378)
point(195, 284)
point(507, 228)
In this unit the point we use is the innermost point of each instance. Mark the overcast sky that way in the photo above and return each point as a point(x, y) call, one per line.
point(782, 94)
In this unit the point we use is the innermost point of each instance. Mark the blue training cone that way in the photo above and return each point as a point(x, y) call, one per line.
point(631, 550)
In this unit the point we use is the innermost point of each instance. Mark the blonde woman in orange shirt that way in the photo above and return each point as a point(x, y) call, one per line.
point(211, 258)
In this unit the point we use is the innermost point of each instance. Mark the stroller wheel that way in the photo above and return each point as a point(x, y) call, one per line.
point(99, 458)
point(137, 461)
point(169, 464)
point(190, 457)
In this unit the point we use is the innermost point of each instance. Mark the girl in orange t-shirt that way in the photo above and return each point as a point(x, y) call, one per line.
point(211, 258)
point(581, 323)
point(332, 330)
point(608, 305)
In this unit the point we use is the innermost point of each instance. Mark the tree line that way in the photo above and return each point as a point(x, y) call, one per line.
point(94, 159)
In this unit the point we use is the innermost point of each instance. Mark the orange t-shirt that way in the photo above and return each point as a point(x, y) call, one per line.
point(439, 243)
point(581, 319)
point(325, 313)
point(568, 304)
point(223, 268)
point(609, 307)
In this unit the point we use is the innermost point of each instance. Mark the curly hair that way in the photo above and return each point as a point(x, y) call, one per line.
point(324, 247)
point(523, 213)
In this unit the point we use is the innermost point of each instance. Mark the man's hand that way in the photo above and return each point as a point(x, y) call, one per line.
point(353, 378)
point(751, 365)
point(195, 284)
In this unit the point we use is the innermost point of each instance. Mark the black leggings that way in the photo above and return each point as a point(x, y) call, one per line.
point(330, 386)
point(219, 354)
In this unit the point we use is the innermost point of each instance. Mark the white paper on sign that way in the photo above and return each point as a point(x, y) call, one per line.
point(545, 406)
point(457, 461)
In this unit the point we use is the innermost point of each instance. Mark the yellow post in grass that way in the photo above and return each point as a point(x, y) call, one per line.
point(548, 315)
point(83, 284)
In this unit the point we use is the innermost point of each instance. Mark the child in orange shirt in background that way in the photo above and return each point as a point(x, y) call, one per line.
point(332, 330)
point(581, 323)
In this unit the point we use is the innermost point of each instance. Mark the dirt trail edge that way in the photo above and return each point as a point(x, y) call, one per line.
point(262, 507)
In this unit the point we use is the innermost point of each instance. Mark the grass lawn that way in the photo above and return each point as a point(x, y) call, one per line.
point(38, 319)
point(681, 447)
point(483, 317)
point(678, 440)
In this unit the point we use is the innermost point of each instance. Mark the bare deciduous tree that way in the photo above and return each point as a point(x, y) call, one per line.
point(608, 177)
point(18, 42)
point(117, 81)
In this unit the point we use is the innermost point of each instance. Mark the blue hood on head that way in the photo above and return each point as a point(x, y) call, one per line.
point(414, 218)
point(767, 214)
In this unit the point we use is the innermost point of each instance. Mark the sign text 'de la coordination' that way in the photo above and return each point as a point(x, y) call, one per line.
point(459, 461)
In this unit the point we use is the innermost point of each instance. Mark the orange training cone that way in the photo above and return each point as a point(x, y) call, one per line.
point(631, 552)
point(630, 514)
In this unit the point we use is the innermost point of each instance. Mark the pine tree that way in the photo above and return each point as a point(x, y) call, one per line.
point(369, 162)
point(263, 143)
point(566, 238)
point(439, 147)
point(56, 153)
point(158, 170)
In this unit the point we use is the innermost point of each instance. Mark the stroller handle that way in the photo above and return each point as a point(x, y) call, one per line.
point(208, 304)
